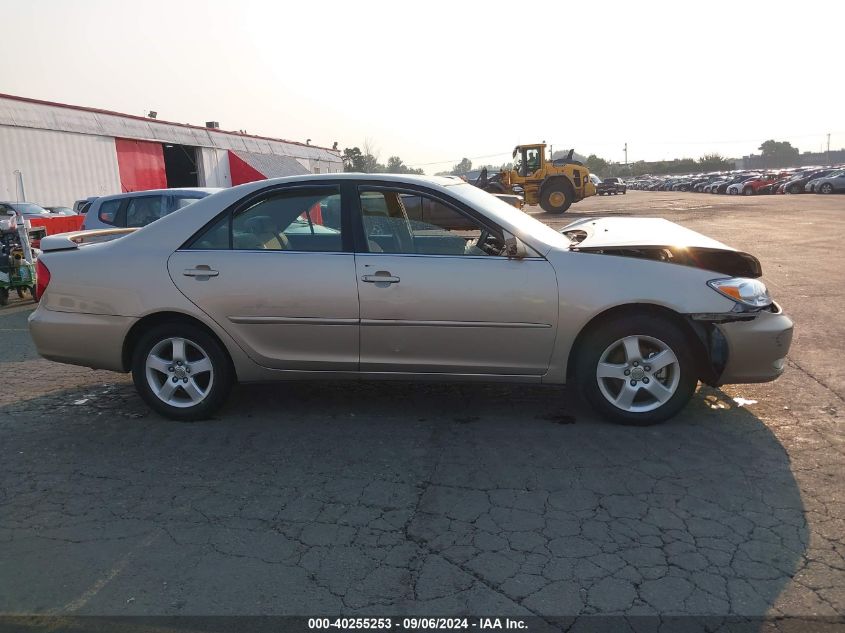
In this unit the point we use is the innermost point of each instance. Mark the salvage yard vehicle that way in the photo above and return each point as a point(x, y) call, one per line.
point(751, 186)
point(610, 186)
point(553, 184)
point(139, 208)
point(829, 183)
point(633, 312)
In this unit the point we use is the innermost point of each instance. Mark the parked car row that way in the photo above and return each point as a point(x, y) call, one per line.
point(823, 180)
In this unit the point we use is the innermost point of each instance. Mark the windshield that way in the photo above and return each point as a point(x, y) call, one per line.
point(28, 207)
point(501, 212)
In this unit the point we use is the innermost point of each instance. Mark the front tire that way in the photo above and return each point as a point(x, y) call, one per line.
point(556, 197)
point(826, 188)
point(636, 369)
point(181, 371)
point(748, 191)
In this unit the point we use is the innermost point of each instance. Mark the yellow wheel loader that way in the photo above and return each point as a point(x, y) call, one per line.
point(554, 185)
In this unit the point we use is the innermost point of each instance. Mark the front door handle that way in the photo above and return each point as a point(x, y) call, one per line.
point(381, 277)
point(200, 271)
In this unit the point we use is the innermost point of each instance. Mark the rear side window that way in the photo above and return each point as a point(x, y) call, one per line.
point(297, 220)
point(108, 210)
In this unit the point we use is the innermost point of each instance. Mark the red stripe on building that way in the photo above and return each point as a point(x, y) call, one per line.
point(241, 171)
point(140, 165)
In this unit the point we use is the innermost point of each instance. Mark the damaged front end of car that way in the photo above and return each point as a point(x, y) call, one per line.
point(749, 342)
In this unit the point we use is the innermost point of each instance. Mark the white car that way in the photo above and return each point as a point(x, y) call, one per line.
point(139, 208)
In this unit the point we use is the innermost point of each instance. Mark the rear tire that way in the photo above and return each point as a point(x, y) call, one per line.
point(187, 380)
point(609, 349)
point(794, 189)
point(4, 296)
point(826, 188)
point(556, 197)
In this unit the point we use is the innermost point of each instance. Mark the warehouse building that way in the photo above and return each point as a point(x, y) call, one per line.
point(54, 154)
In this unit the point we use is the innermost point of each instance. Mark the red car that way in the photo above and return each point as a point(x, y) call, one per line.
point(754, 185)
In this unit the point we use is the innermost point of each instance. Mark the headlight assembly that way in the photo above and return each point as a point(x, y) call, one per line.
point(747, 292)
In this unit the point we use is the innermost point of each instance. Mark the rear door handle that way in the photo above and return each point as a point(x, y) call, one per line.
point(200, 271)
point(381, 276)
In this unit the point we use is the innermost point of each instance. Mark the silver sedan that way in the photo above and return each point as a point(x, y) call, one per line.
point(400, 277)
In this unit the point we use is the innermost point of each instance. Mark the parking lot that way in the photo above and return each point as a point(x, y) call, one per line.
point(393, 498)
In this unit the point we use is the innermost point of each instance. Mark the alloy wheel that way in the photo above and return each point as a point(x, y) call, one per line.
point(179, 372)
point(638, 373)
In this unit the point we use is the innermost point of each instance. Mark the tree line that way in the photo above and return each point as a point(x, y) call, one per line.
point(774, 154)
point(367, 162)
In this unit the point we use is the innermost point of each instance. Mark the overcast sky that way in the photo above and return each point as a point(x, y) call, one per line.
point(435, 81)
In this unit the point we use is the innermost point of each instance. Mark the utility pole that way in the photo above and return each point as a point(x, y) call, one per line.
point(828, 148)
point(626, 155)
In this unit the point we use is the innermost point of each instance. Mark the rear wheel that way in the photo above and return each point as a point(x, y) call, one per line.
point(181, 371)
point(794, 189)
point(4, 296)
point(556, 197)
point(826, 188)
point(636, 369)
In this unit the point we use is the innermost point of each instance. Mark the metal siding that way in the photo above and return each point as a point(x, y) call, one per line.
point(58, 167)
point(59, 118)
point(266, 166)
point(213, 166)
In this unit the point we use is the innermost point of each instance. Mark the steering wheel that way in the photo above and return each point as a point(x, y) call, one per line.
point(481, 242)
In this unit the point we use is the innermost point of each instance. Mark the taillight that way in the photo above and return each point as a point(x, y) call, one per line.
point(42, 276)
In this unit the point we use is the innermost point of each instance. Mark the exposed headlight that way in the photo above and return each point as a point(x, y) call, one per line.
point(748, 292)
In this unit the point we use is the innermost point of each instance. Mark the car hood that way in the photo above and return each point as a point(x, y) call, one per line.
point(660, 240)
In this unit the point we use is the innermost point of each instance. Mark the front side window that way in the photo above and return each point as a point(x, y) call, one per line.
point(397, 222)
point(145, 210)
point(178, 202)
point(300, 220)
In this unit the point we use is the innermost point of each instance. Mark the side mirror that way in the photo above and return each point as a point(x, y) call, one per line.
point(514, 247)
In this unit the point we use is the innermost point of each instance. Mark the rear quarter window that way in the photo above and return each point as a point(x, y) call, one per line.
point(108, 211)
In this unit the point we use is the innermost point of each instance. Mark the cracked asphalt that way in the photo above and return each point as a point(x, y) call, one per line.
point(394, 499)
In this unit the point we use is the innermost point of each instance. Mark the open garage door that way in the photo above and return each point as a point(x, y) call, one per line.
point(180, 165)
point(249, 167)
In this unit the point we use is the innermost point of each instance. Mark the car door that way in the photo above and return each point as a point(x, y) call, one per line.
point(279, 278)
point(438, 301)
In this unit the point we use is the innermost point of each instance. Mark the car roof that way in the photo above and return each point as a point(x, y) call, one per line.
point(133, 194)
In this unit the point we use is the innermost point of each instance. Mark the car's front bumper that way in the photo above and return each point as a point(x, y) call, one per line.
point(90, 340)
point(756, 349)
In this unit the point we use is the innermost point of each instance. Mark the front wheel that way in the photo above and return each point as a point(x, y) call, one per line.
point(794, 189)
point(636, 370)
point(181, 371)
point(748, 191)
point(556, 197)
point(826, 188)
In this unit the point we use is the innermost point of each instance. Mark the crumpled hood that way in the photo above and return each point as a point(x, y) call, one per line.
point(611, 232)
point(659, 240)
